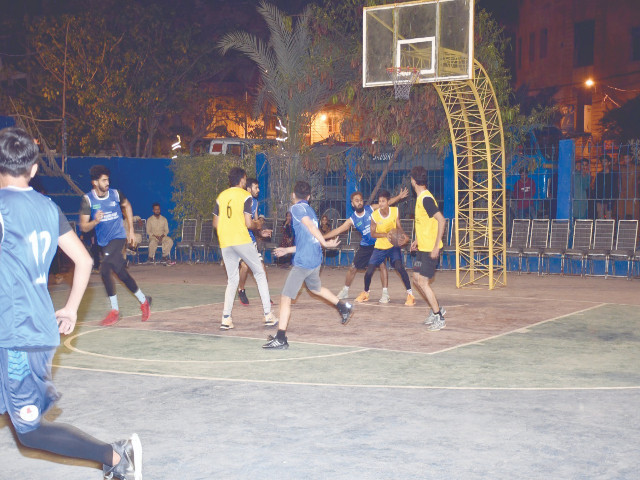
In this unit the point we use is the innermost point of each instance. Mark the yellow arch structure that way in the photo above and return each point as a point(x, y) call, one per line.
point(478, 151)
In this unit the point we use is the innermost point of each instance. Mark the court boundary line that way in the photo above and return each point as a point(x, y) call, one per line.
point(186, 362)
point(348, 385)
point(521, 329)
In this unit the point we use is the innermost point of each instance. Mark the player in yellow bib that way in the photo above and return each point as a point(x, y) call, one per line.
point(383, 221)
point(429, 229)
point(232, 219)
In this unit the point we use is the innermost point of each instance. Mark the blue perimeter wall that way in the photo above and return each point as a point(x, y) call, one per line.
point(142, 180)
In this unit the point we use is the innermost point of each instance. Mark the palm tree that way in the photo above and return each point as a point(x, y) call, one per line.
point(290, 79)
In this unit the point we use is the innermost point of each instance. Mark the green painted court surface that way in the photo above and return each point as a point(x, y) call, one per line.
point(537, 380)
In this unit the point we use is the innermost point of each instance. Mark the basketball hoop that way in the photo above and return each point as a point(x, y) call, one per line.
point(403, 79)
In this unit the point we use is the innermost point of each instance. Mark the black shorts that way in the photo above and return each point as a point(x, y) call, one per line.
point(425, 265)
point(362, 256)
point(112, 253)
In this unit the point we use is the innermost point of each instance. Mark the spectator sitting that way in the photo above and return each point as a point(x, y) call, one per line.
point(324, 225)
point(288, 239)
point(523, 191)
point(158, 231)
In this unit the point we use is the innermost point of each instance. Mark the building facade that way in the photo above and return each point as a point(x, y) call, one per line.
point(585, 52)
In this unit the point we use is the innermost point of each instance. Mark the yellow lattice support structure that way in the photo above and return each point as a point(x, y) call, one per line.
point(478, 151)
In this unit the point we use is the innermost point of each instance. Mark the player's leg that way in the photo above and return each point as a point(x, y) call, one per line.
point(20, 396)
point(120, 269)
point(423, 274)
point(395, 256)
point(231, 260)
point(384, 280)
point(360, 262)
point(249, 253)
point(290, 290)
point(345, 309)
point(244, 273)
point(110, 253)
point(377, 257)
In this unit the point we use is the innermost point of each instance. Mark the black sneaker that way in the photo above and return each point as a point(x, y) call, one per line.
point(347, 313)
point(276, 344)
point(130, 466)
point(242, 295)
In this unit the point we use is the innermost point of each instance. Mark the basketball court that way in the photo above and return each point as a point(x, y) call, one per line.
point(537, 380)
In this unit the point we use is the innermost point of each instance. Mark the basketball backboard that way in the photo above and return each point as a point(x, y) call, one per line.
point(434, 36)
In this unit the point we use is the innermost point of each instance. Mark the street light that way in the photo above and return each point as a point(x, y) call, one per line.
point(589, 82)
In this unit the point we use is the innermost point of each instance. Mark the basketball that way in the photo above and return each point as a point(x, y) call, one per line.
point(397, 238)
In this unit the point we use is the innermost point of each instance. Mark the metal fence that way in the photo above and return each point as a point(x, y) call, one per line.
point(606, 182)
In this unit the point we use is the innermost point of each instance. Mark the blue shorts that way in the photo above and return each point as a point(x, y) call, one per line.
point(379, 256)
point(26, 389)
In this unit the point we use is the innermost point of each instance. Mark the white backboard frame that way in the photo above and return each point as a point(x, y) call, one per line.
point(428, 75)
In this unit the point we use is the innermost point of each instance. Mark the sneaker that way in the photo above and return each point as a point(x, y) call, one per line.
point(411, 300)
point(438, 324)
point(344, 293)
point(347, 314)
point(130, 465)
point(226, 324)
point(276, 344)
point(270, 320)
point(384, 298)
point(363, 297)
point(168, 262)
point(112, 318)
point(242, 295)
point(146, 309)
point(432, 316)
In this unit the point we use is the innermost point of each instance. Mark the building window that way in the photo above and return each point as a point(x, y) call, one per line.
point(519, 52)
point(544, 36)
point(583, 42)
point(532, 47)
point(635, 43)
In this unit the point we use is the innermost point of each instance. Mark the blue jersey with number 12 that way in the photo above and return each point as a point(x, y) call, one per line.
point(29, 228)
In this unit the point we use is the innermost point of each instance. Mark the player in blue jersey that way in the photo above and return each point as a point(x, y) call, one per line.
point(360, 219)
point(306, 264)
point(31, 229)
point(253, 187)
point(101, 209)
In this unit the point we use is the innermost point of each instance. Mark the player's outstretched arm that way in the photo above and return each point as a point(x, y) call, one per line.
point(73, 247)
point(307, 222)
point(338, 230)
point(404, 193)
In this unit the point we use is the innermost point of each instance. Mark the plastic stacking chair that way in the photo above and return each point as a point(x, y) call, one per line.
point(625, 245)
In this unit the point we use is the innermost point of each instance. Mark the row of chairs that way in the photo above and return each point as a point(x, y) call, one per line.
point(591, 242)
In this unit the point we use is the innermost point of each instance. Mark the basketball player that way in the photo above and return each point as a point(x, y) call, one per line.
point(232, 219)
point(430, 224)
point(383, 221)
point(253, 187)
point(101, 209)
point(361, 220)
point(306, 264)
point(31, 229)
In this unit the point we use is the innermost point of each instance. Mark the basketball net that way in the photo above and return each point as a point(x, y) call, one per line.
point(403, 79)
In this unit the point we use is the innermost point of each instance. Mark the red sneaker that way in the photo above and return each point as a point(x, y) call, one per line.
point(146, 309)
point(112, 318)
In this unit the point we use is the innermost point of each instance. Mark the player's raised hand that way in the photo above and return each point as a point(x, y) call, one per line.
point(404, 192)
point(66, 319)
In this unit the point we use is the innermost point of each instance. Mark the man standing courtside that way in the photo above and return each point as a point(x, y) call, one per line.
point(429, 229)
point(31, 229)
point(101, 209)
point(232, 219)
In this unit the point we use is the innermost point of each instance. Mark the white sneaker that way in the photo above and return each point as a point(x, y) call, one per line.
point(433, 317)
point(226, 324)
point(384, 298)
point(344, 293)
point(270, 320)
